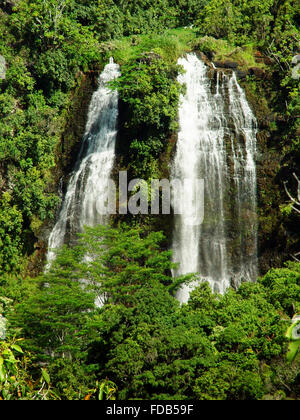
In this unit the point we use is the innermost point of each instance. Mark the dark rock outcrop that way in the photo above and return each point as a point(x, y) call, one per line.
point(8, 5)
point(227, 64)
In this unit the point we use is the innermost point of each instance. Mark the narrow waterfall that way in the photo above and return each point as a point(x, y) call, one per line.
point(88, 184)
point(216, 143)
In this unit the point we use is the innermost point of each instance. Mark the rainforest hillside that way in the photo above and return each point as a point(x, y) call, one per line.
point(142, 344)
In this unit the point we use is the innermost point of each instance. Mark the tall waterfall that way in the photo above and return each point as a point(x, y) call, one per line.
point(216, 143)
point(88, 183)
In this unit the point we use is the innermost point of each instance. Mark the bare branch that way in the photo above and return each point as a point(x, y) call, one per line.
point(298, 180)
point(295, 258)
point(295, 207)
point(296, 201)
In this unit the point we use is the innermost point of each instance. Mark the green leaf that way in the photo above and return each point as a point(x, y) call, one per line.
point(17, 348)
point(2, 376)
point(46, 376)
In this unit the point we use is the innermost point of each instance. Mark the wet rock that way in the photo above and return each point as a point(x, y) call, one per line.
point(227, 64)
point(268, 61)
point(241, 74)
point(259, 58)
point(219, 64)
point(259, 73)
point(2, 67)
point(205, 59)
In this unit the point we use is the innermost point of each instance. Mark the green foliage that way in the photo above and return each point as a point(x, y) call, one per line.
point(245, 330)
point(27, 144)
point(15, 381)
point(53, 70)
point(170, 45)
point(223, 342)
point(215, 347)
point(117, 18)
point(285, 34)
point(149, 87)
point(227, 381)
point(73, 381)
point(54, 318)
point(124, 264)
point(46, 44)
point(107, 389)
point(150, 91)
point(59, 43)
point(230, 347)
point(293, 337)
point(19, 79)
point(10, 231)
point(283, 287)
point(222, 50)
point(239, 21)
point(125, 268)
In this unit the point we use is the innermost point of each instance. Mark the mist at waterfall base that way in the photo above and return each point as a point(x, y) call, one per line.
point(216, 142)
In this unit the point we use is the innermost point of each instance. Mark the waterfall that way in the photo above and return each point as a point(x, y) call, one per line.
point(87, 187)
point(216, 143)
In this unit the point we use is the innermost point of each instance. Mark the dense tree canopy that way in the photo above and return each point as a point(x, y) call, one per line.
point(214, 347)
point(140, 344)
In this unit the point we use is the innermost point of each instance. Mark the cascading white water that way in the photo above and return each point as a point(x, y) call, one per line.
point(216, 143)
point(88, 184)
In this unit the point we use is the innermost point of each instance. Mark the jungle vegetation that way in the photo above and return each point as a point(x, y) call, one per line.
point(141, 344)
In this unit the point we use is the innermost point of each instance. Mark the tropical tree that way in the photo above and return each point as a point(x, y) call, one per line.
point(295, 205)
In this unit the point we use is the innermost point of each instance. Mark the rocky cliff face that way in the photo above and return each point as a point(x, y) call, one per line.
point(276, 241)
point(73, 126)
